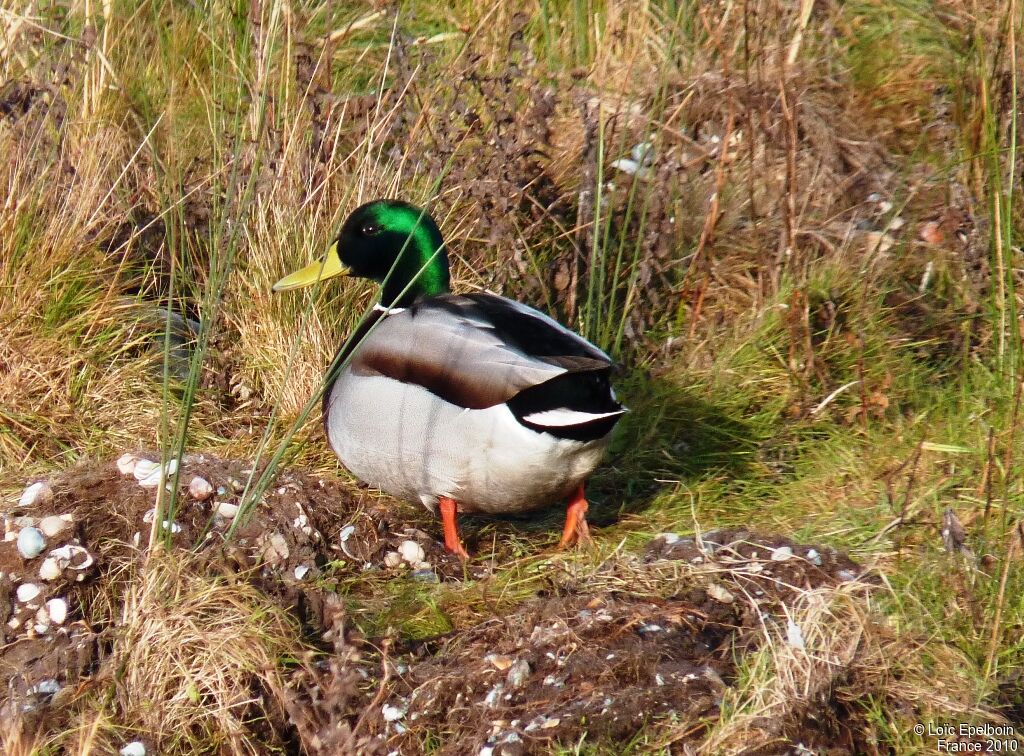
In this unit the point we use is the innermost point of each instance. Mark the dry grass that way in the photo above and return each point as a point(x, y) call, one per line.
point(197, 661)
point(840, 653)
point(16, 742)
point(195, 664)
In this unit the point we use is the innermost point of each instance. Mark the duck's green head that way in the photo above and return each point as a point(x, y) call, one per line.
point(381, 238)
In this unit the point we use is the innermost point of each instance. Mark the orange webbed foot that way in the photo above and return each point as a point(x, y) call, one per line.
point(576, 529)
point(452, 542)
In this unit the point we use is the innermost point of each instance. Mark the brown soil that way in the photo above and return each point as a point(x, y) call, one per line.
point(602, 655)
point(607, 662)
point(298, 526)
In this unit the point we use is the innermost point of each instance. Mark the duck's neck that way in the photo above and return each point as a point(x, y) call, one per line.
point(421, 271)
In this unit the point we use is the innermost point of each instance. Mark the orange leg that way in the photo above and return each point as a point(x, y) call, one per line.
point(576, 529)
point(451, 529)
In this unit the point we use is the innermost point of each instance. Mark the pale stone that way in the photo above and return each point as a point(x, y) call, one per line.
point(31, 543)
point(500, 662)
point(225, 509)
point(200, 489)
point(52, 525)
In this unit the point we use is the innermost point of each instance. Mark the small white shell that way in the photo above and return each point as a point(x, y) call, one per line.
point(126, 464)
point(518, 673)
point(392, 713)
point(144, 468)
point(72, 556)
point(626, 165)
point(782, 553)
point(37, 493)
point(411, 552)
point(200, 489)
point(152, 480)
point(643, 153)
point(52, 525)
point(392, 559)
point(631, 167)
point(301, 571)
point(275, 548)
point(719, 593)
point(500, 662)
point(49, 569)
point(346, 532)
point(31, 543)
point(794, 636)
point(148, 473)
point(57, 609)
point(27, 592)
point(135, 748)
point(48, 687)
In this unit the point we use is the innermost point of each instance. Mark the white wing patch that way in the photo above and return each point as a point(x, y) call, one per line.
point(387, 310)
point(561, 418)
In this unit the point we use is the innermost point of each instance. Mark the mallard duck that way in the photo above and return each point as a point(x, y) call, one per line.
point(463, 402)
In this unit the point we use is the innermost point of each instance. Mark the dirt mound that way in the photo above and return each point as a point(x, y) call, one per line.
point(98, 520)
point(608, 654)
point(653, 642)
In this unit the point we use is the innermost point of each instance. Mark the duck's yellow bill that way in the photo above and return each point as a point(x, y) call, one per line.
point(321, 270)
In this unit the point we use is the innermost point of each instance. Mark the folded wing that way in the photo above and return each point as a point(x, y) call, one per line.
point(480, 350)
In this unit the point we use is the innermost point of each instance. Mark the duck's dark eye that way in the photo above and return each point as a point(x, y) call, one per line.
point(371, 229)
